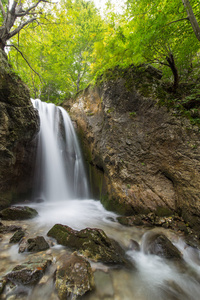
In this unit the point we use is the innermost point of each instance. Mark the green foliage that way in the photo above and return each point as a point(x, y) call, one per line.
point(60, 51)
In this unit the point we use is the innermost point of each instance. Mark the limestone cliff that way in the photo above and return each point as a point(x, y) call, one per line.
point(149, 157)
point(19, 123)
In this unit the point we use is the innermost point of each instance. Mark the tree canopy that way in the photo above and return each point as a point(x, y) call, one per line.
point(76, 44)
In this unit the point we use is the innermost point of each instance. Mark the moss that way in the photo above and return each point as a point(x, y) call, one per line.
point(116, 205)
point(163, 212)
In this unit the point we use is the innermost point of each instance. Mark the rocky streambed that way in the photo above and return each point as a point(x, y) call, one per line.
point(78, 250)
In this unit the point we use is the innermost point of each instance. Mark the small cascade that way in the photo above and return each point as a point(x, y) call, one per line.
point(60, 173)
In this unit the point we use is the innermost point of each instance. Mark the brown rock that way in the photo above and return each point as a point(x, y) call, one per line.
point(74, 277)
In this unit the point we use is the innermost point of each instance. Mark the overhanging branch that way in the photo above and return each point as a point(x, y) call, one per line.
point(41, 79)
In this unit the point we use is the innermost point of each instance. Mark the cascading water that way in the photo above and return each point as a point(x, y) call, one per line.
point(60, 173)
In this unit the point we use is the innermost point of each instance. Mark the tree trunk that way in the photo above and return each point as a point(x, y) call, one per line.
point(172, 65)
point(192, 18)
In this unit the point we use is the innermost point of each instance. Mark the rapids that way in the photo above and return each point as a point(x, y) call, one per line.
point(61, 186)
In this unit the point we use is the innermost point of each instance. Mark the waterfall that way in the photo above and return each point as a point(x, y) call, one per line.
point(59, 173)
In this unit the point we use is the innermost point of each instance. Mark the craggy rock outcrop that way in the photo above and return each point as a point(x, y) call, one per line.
point(91, 242)
point(19, 123)
point(74, 278)
point(149, 156)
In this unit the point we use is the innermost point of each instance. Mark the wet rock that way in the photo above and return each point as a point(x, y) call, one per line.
point(133, 245)
point(136, 220)
point(74, 278)
point(159, 244)
point(17, 236)
point(18, 213)
point(11, 228)
point(30, 272)
point(19, 126)
point(34, 245)
point(92, 243)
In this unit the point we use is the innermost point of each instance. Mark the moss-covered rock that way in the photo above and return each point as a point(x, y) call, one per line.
point(18, 213)
point(74, 278)
point(92, 243)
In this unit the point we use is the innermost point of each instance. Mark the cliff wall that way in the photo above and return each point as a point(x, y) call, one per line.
point(19, 123)
point(149, 158)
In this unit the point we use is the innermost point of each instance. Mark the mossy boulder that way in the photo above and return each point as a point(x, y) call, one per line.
point(91, 242)
point(18, 213)
point(74, 278)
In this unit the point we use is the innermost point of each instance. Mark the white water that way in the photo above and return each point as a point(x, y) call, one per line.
point(60, 173)
point(60, 179)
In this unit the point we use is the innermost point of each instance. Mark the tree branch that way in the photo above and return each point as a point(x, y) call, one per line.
point(26, 12)
point(13, 7)
point(11, 34)
point(3, 11)
point(41, 79)
point(177, 21)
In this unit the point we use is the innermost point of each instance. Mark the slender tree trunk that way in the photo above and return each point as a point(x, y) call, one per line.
point(192, 18)
point(172, 65)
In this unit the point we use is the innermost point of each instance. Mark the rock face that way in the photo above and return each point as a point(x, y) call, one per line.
point(19, 123)
point(74, 278)
point(148, 156)
point(91, 242)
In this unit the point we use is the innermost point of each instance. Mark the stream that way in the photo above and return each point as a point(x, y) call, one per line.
point(61, 195)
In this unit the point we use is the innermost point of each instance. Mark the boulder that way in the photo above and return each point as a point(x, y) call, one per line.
point(91, 242)
point(29, 273)
point(18, 213)
point(17, 236)
point(74, 278)
point(33, 245)
point(159, 244)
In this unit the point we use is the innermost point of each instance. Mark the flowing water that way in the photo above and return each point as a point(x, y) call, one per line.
point(62, 184)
